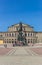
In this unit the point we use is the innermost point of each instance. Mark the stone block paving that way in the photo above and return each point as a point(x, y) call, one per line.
point(26, 60)
point(4, 51)
point(20, 56)
point(31, 52)
point(21, 51)
point(12, 51)
point(37, 50)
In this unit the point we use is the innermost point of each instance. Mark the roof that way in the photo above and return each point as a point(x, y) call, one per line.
point(22, 23)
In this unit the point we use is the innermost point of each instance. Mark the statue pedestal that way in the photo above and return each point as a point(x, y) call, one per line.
point(20, 43)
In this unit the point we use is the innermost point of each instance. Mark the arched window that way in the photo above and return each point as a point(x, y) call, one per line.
point(9, 34)
point(31, 41)
point(12, 40)
point(31, 34)
point(28, 34)
point(25, 34)
point(7, 41)
point(28, 40)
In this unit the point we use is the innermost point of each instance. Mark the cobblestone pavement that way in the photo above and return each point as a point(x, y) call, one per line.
point(21, 56)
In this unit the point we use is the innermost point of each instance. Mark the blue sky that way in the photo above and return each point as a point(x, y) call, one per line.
point(27, 11)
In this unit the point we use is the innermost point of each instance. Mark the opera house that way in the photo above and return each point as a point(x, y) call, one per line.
point(10, 36)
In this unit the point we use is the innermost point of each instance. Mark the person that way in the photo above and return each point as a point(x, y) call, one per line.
point(5, 45)
point(13, 44)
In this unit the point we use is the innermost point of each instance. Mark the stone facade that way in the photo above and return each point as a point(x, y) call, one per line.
point(11, 35)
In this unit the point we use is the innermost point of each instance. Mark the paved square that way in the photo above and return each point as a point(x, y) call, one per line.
point(21, 56)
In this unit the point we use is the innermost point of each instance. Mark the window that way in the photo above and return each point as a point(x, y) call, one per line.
point(12, 40)
point(7, 34)
point(31, 40)
point(9, 40)
point(28, 34)
point(31, 34)
point(25, 34)
point(5, 41)
point(10, 34)
point(28, 40)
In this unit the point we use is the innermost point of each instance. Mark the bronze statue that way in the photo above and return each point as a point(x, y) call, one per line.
point(20, 25)
point(21, 37)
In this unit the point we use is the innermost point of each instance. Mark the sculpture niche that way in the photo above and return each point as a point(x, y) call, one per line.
point(21, 37)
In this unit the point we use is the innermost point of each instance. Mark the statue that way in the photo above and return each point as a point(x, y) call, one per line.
point(20, 25)
point(21, 37)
